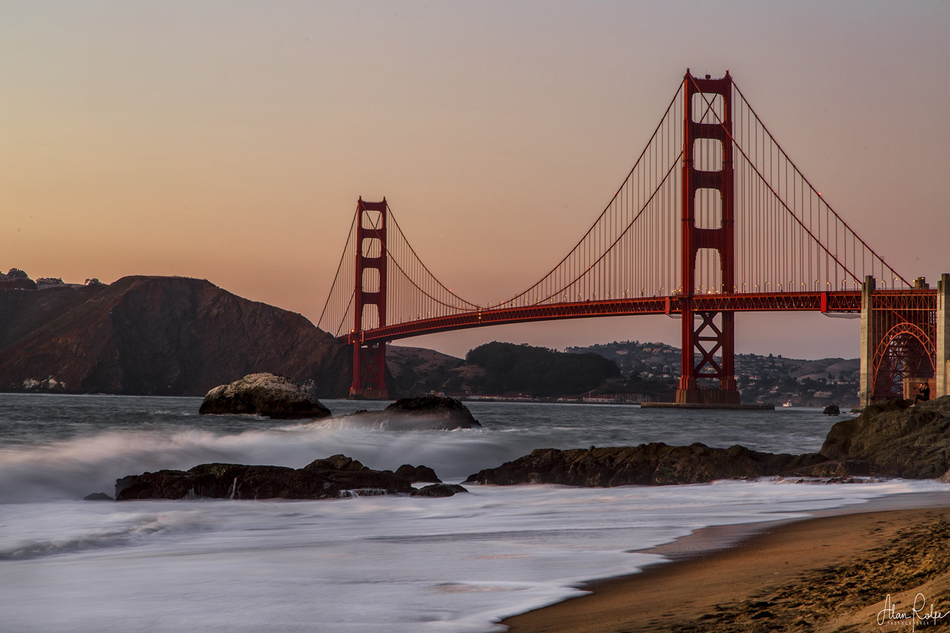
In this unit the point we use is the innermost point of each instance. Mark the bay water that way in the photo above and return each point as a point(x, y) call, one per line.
point(367, 564)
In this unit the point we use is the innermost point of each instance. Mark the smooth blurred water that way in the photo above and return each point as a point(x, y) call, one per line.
point(363, 564)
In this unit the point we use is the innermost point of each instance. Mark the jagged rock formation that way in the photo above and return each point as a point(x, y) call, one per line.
point(889, 440)
point(418, 474)
point(423, 413)
point(264, 394)
point(896, 439)
point(158, 336)
point(330, 478)
point(439, 490)
point(435, 407)
point(648, 464)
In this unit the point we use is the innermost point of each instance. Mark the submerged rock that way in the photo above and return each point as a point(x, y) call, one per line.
point(451, 412)
point(418, 474)
point(416, 414)
point(264, 394)
point(98, 496)
point(439, 490)
point(646, 464)
point(327, 478)
point(888, 440)
point(896, 439)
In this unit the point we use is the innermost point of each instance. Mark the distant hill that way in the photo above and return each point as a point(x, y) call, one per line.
point(417, 370)
point(181, 336)
point(537, 371)
point(763, 379)
point(157, 336)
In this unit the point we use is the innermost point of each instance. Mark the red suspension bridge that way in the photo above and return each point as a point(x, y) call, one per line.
point(714, 218)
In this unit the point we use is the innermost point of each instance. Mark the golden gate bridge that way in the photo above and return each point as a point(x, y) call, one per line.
point(714, 218)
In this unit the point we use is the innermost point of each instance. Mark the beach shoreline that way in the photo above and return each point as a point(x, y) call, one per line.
point(841, 568)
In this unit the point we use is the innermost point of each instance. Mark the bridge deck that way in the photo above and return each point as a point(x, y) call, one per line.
point(836, 302)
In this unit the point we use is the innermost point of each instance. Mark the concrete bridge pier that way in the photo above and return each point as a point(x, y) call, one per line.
point(905, 340)
point(868, 344)
point(942, 352)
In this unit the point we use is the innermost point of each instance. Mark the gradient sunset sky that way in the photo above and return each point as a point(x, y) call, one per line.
point(231, 140)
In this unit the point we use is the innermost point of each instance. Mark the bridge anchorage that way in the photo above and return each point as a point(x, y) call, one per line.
point(714, 218)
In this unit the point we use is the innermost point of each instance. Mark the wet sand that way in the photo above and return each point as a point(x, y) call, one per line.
point(830, 573)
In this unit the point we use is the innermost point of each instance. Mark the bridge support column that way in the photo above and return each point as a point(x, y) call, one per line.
point(942, 355)
point(708, 337)
point(868, 344)
point(901, 341)
point(369, 361)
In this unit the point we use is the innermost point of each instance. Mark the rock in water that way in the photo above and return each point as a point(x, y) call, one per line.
point(418, 474)
point(895, 439)
point(329, 478)
point(438, 490)
point(98, 496)
point(647, 464)
point(449, 411)
point(264, 394)
point(418, 414)
point(832, 409)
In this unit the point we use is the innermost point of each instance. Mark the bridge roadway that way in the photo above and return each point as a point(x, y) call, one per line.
point(839, 302)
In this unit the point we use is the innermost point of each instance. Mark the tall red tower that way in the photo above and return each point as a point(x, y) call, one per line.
point(369, 361)
point(707, 136)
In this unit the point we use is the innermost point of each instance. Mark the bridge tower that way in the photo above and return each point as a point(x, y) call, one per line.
point(369, 361)
point(706, 334)
point(904, 340)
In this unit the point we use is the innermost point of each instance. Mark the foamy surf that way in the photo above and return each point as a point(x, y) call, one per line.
point(368, 564)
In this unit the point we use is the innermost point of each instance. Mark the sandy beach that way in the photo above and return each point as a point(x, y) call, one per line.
point(860, 571)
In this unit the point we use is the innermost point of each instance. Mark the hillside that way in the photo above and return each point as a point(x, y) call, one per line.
point(157, 336)
point(180, 336)
point(762, 379)
point(509, 370)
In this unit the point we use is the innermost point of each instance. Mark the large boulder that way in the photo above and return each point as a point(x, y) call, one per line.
point(647, 464)
point(264, 394)
point(896, 439)
point(415, 414)
point(438, 490)
point(418, 474)
point(334, 477)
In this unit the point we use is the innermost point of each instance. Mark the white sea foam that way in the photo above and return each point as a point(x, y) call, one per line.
point(386, 564)
point(74, 468)
point(367, 564)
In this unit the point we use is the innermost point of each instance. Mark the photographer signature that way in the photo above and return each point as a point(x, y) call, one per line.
point(918, 614)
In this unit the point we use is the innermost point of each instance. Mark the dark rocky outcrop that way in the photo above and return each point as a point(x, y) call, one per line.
point(888, 440)
point(647, 464)
point(264, 394)
point(418, 474)
point(416, 414)
point(439, 490)
point(831, 409)
point(98, 496)
point(158, 336)
point(895, 439)
point(329, 478)
point(435, 408)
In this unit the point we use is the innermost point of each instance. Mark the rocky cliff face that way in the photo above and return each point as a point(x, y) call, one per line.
point(158, 336)
point(887, 440)
point(896, 439)
point(648, 465)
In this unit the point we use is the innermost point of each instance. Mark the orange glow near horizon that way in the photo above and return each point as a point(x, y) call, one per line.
point(230, 141)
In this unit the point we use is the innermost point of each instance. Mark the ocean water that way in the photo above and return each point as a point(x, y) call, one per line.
point(367, 564)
